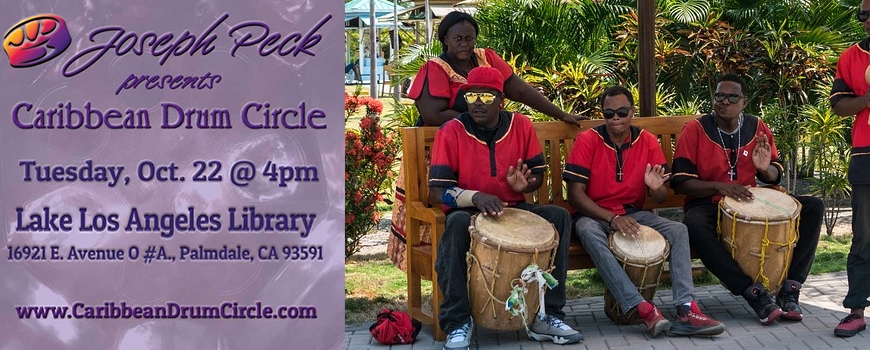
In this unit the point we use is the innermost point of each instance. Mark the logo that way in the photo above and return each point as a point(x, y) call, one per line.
point(36, 40)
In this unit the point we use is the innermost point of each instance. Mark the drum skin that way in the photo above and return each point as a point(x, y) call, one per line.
point(761, 234)
point(643, 258)
point(501, 248)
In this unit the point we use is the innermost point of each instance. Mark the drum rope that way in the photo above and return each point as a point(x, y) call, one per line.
point(765, 241)
point(473, 260)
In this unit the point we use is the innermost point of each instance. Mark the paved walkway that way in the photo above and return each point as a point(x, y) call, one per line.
point(821, 299)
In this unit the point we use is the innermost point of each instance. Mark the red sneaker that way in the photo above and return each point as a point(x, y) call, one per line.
point(652, 318)
point(691, 321)
point(850, 325)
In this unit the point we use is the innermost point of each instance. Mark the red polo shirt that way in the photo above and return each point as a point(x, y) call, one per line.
point(593, 161)
point(850, 82)
point(468, 157)
point(704, 152)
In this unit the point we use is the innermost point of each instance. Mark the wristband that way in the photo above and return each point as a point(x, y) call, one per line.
point(456, 197)
point(610, 223)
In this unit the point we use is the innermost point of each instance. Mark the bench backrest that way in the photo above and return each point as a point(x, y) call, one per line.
point(557, 139)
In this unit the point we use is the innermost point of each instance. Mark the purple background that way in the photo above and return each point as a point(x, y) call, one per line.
point(281, 81)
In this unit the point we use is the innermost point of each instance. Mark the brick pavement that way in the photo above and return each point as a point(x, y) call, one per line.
point(820, 298)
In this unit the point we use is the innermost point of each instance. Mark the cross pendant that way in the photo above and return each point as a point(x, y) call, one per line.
point(732, 174)
point(619, 176)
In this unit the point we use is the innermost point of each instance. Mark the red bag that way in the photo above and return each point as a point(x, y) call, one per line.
point(395, 327)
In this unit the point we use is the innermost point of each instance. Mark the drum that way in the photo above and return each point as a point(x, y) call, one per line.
point(761, 234)
point(501, 248)
point(642, 256)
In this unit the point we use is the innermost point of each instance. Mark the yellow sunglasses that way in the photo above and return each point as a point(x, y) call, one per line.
point(485, 97)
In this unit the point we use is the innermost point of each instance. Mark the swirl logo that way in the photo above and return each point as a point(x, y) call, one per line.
point(36, 40)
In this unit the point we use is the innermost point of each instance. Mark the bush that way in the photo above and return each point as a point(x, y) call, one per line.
point(369, 156)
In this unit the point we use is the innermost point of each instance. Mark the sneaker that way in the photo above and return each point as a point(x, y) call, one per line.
point(787, 299)
point(691, 321)
point(460, 338)
point(850, 325)
point(551, 328)
point(652, 318)
point(760, 301)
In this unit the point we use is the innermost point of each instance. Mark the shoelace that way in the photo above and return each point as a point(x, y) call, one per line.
point(557, 323)
point(695, 316)
point(460, 332)
point(851, 317)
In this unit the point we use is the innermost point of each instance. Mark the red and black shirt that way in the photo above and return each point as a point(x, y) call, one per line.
point(850, 82)
point(467, 156)
point(443, 77)
point(596, 161)
point(707, 153)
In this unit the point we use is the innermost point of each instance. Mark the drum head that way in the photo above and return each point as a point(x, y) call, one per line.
point(768, 204)
point(515, 230)
point(647, 246)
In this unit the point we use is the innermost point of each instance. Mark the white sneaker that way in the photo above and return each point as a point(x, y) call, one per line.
point(551, 328)
point(460, 338)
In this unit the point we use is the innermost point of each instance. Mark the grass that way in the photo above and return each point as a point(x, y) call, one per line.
point(372, 282)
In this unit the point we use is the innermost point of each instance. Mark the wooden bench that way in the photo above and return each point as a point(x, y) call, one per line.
point(556, 139)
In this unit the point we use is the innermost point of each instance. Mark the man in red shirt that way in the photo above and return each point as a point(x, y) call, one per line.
point(722, 154)
point(609, 171)
point(850, 96)
point(482, 161)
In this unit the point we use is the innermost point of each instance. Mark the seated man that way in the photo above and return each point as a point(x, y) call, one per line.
point(722, 154)
point(609, 171)
point(483, 160)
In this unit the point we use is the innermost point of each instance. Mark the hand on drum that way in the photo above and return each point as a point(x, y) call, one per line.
point(519, 177)
point(654, 177)
point(761, 153)
point(736, 191)
point(488, 204)
point(625, 225)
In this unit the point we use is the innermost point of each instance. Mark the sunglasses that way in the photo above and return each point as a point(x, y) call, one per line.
point(862, 16)
point(732, 98)
point(610, 113)
point(485, 97)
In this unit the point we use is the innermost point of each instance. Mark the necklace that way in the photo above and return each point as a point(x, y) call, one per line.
point(732, 172)
point(619, 162)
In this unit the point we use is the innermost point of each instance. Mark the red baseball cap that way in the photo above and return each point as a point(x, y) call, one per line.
point(484, 77)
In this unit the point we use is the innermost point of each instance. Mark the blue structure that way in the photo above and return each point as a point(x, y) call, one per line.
point(357, 15)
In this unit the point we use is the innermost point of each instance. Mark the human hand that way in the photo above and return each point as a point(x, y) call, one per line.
point(625, 225)
point(761, 153)
point(573, 119)
point(518, 177)
point(654, 177)
point(488, 204)
point(736, 191)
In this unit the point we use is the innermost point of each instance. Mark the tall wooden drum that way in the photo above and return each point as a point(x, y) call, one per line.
point(642, 256)
point(501, 248)
point(761, 234)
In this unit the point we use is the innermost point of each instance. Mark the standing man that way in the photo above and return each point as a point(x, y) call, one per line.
point(851, 96)
point(609, 171)
point(722, 154)
point(482, 161)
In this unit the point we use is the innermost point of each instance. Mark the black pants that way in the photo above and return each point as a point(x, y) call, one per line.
point(858, 262)
point(452, 268)
point(701, 221)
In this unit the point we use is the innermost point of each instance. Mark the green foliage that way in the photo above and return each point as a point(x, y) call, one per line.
point(369, 156)
point(826, 137)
